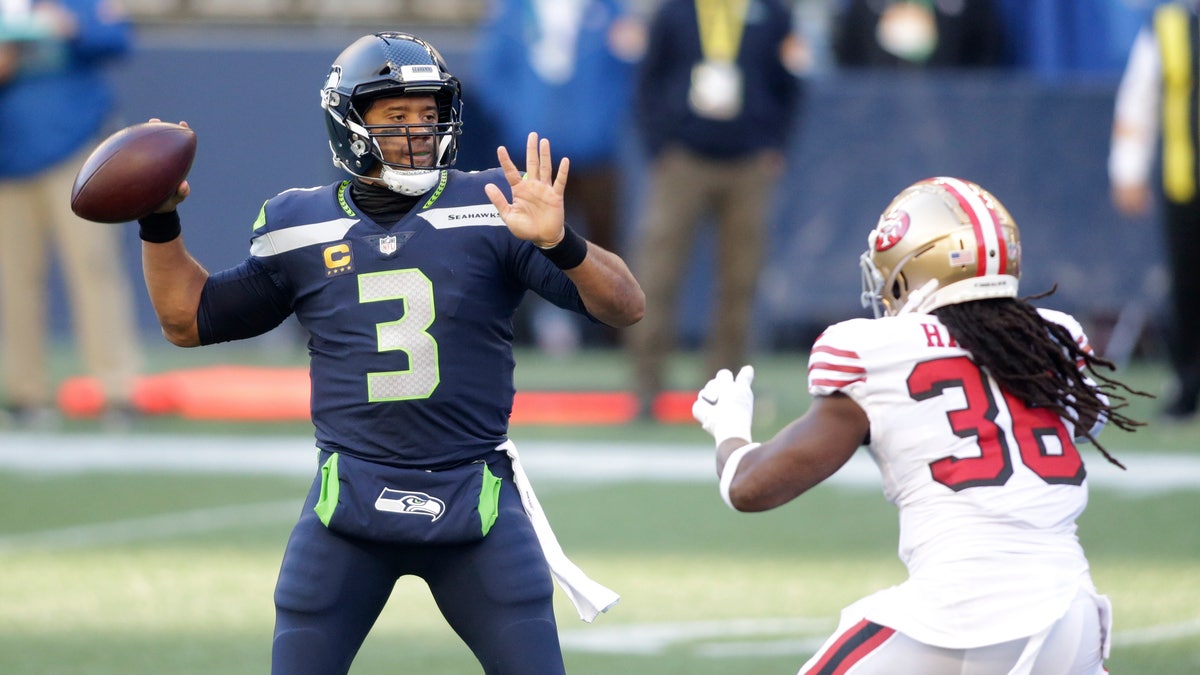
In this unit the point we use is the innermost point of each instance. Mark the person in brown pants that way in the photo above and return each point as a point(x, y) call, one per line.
point(715, 102)
point(54, 106)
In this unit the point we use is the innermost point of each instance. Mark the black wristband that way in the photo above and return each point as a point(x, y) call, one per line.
point(159, 228)
point(568, 253)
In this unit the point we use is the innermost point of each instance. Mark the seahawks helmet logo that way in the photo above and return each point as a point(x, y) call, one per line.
point(411, 503)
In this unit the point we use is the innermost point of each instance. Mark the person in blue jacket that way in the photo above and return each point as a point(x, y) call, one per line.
point(406, 277)
point(571, 63)
point(55, 105)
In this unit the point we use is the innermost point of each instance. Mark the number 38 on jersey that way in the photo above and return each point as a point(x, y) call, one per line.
point(1042, 441)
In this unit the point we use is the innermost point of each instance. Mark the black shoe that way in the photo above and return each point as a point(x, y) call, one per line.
point(1180, 408)
point(118, 419)
point(29, 418)
point(645, 409)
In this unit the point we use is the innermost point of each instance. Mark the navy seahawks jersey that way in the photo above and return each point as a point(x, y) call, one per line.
point(410, 326)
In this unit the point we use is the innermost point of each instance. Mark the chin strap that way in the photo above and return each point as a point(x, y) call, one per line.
point(930, 296)
point(918, 297)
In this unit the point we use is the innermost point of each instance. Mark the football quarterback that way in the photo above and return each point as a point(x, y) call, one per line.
point(406, 277)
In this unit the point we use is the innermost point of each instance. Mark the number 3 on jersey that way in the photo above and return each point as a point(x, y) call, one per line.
point(407, 334)
point(1056, 462)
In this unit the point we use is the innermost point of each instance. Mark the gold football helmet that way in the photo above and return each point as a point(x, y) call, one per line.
point(941, 241)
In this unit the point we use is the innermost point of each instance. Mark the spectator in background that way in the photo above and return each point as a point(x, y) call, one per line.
point(1157, 92)
point(918, 33)
point(715, 101)
point(570, 63)
point(54, 107)
point(1065, 37)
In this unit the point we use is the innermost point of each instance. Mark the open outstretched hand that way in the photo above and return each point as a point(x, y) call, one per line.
point(536, 212)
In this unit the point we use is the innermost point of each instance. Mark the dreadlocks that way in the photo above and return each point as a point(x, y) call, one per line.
point(1039, 362)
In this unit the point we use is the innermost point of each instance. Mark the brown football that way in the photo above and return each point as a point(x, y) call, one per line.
point(133, 171)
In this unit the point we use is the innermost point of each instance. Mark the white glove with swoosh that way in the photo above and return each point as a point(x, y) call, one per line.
point(725, 406)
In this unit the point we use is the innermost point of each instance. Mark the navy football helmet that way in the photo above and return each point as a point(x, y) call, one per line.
point(386, 65)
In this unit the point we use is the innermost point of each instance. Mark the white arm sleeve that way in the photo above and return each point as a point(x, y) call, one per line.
point(1135, 119)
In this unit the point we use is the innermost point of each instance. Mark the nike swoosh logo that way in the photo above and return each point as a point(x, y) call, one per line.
point(710, 401)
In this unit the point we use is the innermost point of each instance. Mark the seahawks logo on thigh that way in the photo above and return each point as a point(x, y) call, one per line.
point(414, 503)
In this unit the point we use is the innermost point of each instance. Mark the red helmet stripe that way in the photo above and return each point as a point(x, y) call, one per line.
point(985, 222)
point(1001, 245)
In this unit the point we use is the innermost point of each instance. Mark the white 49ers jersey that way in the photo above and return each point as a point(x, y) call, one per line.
point(988, 488)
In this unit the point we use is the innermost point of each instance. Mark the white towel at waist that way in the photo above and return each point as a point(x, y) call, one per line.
point(589, 597)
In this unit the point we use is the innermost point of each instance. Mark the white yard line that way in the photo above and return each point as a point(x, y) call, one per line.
point(582, 461)
point(657, 638)
point(1155, 634)
point(162, 526)
point(799, 636)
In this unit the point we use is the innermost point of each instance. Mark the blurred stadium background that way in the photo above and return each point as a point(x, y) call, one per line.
point(155, 551)
point(245, 74)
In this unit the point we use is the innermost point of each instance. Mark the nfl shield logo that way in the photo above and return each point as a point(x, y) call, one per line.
point(387, 245)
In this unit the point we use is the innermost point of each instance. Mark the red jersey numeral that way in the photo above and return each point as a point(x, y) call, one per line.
point(1041, 438)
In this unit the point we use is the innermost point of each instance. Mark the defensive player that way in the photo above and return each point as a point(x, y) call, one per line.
point(406, 277)
point(971, 402)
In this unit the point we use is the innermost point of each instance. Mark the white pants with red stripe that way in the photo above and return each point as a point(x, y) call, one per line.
point(1074, 645)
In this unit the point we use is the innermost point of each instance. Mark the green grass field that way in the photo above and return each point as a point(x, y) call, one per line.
point(172, 571)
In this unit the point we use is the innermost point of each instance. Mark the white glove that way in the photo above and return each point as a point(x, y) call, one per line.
point(725, 406)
